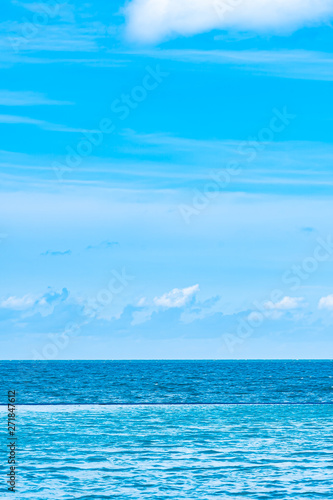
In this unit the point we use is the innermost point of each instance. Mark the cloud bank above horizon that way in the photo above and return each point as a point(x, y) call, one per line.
point(151, 21)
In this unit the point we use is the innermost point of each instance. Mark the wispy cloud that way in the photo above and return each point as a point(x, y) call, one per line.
point(56, 253)
point(63, 11)
point(295, 64)
point(18, 303)
point(104, 245)
point(32, 304)
point(186, 164)
point(292, 63)
point(17, 98)
point(51, 38)
point(25, 120)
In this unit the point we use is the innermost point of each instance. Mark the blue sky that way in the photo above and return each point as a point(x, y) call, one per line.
point(166, 179)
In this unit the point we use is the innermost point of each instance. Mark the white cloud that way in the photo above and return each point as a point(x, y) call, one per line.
point(142, 301)
point(178, 297)
point(285, 304)
point(140, 317)
point(153, 20)
point(18, 303)
point(276, 310)
point(326, 303)
point(31, 304)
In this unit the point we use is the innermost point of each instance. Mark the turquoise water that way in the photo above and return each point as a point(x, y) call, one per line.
point(83, 430)
point(180, 452)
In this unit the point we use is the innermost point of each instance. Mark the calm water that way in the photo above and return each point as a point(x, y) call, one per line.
point(185, 451)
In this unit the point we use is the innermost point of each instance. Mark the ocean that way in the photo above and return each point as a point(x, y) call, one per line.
point(169, 429)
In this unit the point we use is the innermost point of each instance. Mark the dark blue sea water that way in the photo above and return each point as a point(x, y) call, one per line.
point(270, 438)
point(91, 382)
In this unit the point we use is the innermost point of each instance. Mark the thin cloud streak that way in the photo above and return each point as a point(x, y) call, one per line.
point(295, 64)
point(25, 120)
point(26, 98)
